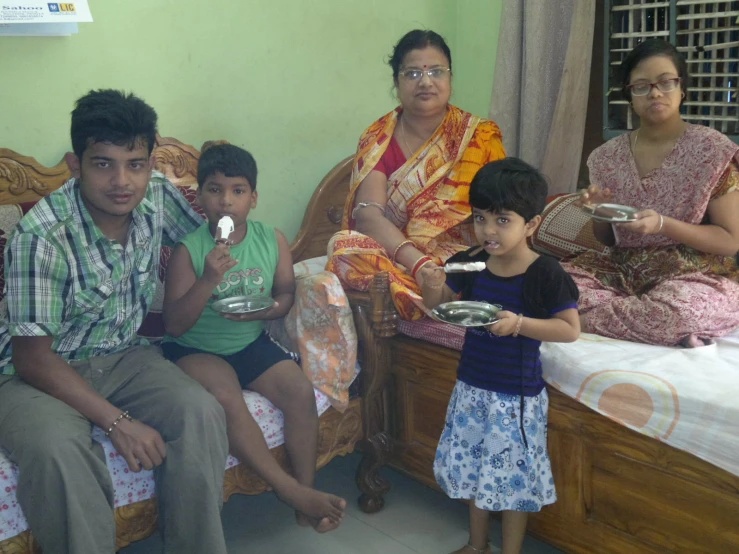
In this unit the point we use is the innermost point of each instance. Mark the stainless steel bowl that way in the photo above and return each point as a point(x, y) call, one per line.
point(466, 313)
point(243, 304)
point(612, 213)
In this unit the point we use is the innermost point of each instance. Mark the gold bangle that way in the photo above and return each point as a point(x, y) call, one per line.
point(397, 249)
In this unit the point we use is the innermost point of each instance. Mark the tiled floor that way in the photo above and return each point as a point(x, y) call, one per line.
point(415, 519)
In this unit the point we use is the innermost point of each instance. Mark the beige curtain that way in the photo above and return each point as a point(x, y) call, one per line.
point(540, 90)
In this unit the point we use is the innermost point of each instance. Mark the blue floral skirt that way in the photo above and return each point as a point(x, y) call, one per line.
point(481, 454)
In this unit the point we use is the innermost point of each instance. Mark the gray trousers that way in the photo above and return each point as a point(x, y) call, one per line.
point(64, 486)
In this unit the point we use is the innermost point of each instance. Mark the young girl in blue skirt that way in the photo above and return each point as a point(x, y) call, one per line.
point(493, 449)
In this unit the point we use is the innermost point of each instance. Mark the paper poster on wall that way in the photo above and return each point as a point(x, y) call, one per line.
point(38, 30)
point(35, 18)
point(33, 11)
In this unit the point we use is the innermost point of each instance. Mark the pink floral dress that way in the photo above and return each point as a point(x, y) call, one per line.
point(648, 288)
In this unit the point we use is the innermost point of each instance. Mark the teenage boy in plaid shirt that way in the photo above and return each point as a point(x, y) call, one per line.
point(80, 277)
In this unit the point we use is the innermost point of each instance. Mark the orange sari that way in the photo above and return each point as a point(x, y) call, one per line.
point(428, 200)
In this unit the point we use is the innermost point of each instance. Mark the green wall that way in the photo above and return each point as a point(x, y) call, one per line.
point(294, 82)
point(475, 45)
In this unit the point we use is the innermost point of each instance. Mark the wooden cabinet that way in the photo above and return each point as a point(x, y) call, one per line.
point(422, 379)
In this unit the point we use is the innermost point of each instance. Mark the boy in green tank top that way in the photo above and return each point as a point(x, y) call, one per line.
point(227, 352)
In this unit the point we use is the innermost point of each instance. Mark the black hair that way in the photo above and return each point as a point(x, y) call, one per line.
point(509, 184)
point(648, 49)
point(417, 40)
point(114, 117)
point(230, 160)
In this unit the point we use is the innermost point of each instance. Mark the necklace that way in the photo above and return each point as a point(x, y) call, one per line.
point(405, 138)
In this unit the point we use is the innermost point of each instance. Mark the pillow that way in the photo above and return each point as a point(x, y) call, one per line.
point(320, 327)
point(311, 266)
point(565, 229)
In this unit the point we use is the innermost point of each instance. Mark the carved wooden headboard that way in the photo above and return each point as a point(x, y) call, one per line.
point(323, 215)
point(24, 179)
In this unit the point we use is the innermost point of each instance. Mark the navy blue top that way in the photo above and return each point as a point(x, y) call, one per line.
point(509, 364)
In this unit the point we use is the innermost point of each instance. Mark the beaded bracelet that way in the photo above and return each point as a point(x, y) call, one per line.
point(124, 415)
point(518, 325)
point(397, 249)
point(422, 261)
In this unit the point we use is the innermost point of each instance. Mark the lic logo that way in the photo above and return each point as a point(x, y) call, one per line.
point(54, 8)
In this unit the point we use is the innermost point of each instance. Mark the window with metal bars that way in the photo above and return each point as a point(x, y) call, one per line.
point(706, 32)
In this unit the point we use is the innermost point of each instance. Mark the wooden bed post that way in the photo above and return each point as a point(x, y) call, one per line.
point(375, 319)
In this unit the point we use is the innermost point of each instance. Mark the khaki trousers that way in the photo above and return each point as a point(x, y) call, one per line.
point(64, 486)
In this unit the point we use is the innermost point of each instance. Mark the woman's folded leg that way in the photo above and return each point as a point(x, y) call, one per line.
point(692, 306)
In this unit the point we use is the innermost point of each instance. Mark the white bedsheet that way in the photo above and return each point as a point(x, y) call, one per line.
point(688, 398)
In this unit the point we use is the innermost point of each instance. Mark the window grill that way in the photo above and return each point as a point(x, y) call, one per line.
point(706, 32)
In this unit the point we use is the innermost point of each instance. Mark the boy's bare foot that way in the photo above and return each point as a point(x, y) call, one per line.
point(321, 525)
point(314, 505)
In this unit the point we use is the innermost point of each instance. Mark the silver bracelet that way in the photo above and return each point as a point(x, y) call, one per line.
point(365, 205)
point(123, 415)
point(661, 223)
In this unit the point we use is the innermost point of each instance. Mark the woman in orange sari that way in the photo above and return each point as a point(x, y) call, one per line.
point(408, 206)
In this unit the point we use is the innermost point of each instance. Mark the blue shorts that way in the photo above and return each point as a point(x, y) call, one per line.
point(249, 363)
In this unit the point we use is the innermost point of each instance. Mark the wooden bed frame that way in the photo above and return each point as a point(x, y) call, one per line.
point(619, 492)
point(23, 179)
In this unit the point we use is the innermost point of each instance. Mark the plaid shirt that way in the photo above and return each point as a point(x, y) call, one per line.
point(65, 279)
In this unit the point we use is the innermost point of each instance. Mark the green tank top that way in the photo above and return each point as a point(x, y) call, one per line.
point(257, 255)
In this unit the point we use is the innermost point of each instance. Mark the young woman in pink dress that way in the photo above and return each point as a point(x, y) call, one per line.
point(670, 277)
